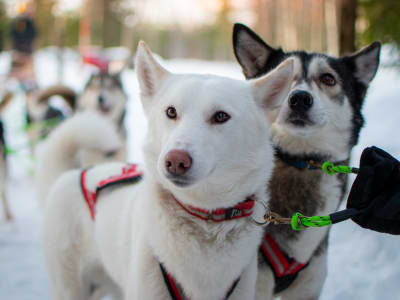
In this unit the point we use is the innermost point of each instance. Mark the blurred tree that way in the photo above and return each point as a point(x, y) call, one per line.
point(71, 29)
point(382, 21)
point(108, 20)
point(302, 24)
point(347, 25)
point(223, 26)
point(45, 21)
point(3, 25)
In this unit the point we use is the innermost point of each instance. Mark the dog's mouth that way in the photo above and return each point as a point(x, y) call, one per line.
point(180, 181)
point(105, 109)
point(299, 120)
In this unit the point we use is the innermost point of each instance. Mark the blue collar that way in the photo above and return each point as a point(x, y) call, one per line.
point(302, 164)
point(299, 162)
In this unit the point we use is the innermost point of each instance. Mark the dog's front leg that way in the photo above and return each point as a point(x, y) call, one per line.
point(7, 212)
point(145, 278)
point(309, 284)
point(246, 286)
point(265, 283)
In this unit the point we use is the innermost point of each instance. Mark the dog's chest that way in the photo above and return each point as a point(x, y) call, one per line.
point(309, 192)
point(205, 259)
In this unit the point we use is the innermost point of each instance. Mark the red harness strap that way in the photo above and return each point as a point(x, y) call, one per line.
point(176, 291)
point(129, 174)
point(284, 267)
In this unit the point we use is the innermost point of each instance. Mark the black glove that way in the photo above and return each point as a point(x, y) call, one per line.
point(374, 198)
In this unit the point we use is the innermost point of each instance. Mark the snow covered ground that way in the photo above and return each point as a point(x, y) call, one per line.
point(362, 264)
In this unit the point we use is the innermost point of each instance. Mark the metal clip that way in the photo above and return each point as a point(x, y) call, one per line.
point(267, 214)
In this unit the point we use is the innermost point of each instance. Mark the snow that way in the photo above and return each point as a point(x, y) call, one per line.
point(361, 264)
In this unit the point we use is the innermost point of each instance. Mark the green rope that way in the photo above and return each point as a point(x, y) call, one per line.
point(300, 222)
point(15, 150)
point(45, 124)
point(331, 169)
point(10, 151)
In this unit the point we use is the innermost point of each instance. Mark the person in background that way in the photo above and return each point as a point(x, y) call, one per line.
point(23, 34)
point(23, 31)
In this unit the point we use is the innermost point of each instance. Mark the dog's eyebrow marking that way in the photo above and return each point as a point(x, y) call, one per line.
point(318, 66)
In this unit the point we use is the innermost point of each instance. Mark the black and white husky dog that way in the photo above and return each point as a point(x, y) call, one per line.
point(320, 120)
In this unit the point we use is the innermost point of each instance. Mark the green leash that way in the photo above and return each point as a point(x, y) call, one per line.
point(300, 222)
point(330, 169)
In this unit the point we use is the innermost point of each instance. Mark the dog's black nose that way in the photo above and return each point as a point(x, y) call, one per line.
point(178, 162)
point(300, 101)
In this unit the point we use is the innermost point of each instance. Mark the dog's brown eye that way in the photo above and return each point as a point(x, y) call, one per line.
point(171, 112)
point(327, 79)
point(220, 117)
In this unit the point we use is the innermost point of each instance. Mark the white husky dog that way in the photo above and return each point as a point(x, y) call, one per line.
point(84, 139)
point(207, 151)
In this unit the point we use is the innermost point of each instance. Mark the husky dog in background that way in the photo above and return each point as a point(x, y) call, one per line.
point(84, 139)
point(42, 116)
point(319, 120)
point(140, 230)
point(104, 92)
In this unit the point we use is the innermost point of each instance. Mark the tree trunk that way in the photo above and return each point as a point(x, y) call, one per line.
point(347, 25)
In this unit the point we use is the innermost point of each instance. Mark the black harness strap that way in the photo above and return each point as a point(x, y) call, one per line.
point(176, 291)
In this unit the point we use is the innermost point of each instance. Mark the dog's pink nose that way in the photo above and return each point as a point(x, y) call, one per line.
point(178, 162)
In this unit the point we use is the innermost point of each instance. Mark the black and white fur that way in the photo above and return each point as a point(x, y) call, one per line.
point(40, 108)
point(104, 92)
point(320, 120)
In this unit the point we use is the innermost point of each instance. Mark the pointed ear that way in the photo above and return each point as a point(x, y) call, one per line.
point(150, 74)
point(365, 62)
point(270, 90)
point(251, 51)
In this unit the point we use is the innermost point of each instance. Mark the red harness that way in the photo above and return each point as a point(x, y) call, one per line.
point(129, 174)
point(284, 267)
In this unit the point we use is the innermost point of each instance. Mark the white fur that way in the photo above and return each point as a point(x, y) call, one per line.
point(138, 226)
point(81, 141)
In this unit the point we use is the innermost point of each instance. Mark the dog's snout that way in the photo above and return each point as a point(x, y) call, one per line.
point(178, 162)
point(300, 101)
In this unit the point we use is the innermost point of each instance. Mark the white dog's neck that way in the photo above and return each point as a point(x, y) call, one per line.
point(171, 205)
point(205, 257)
